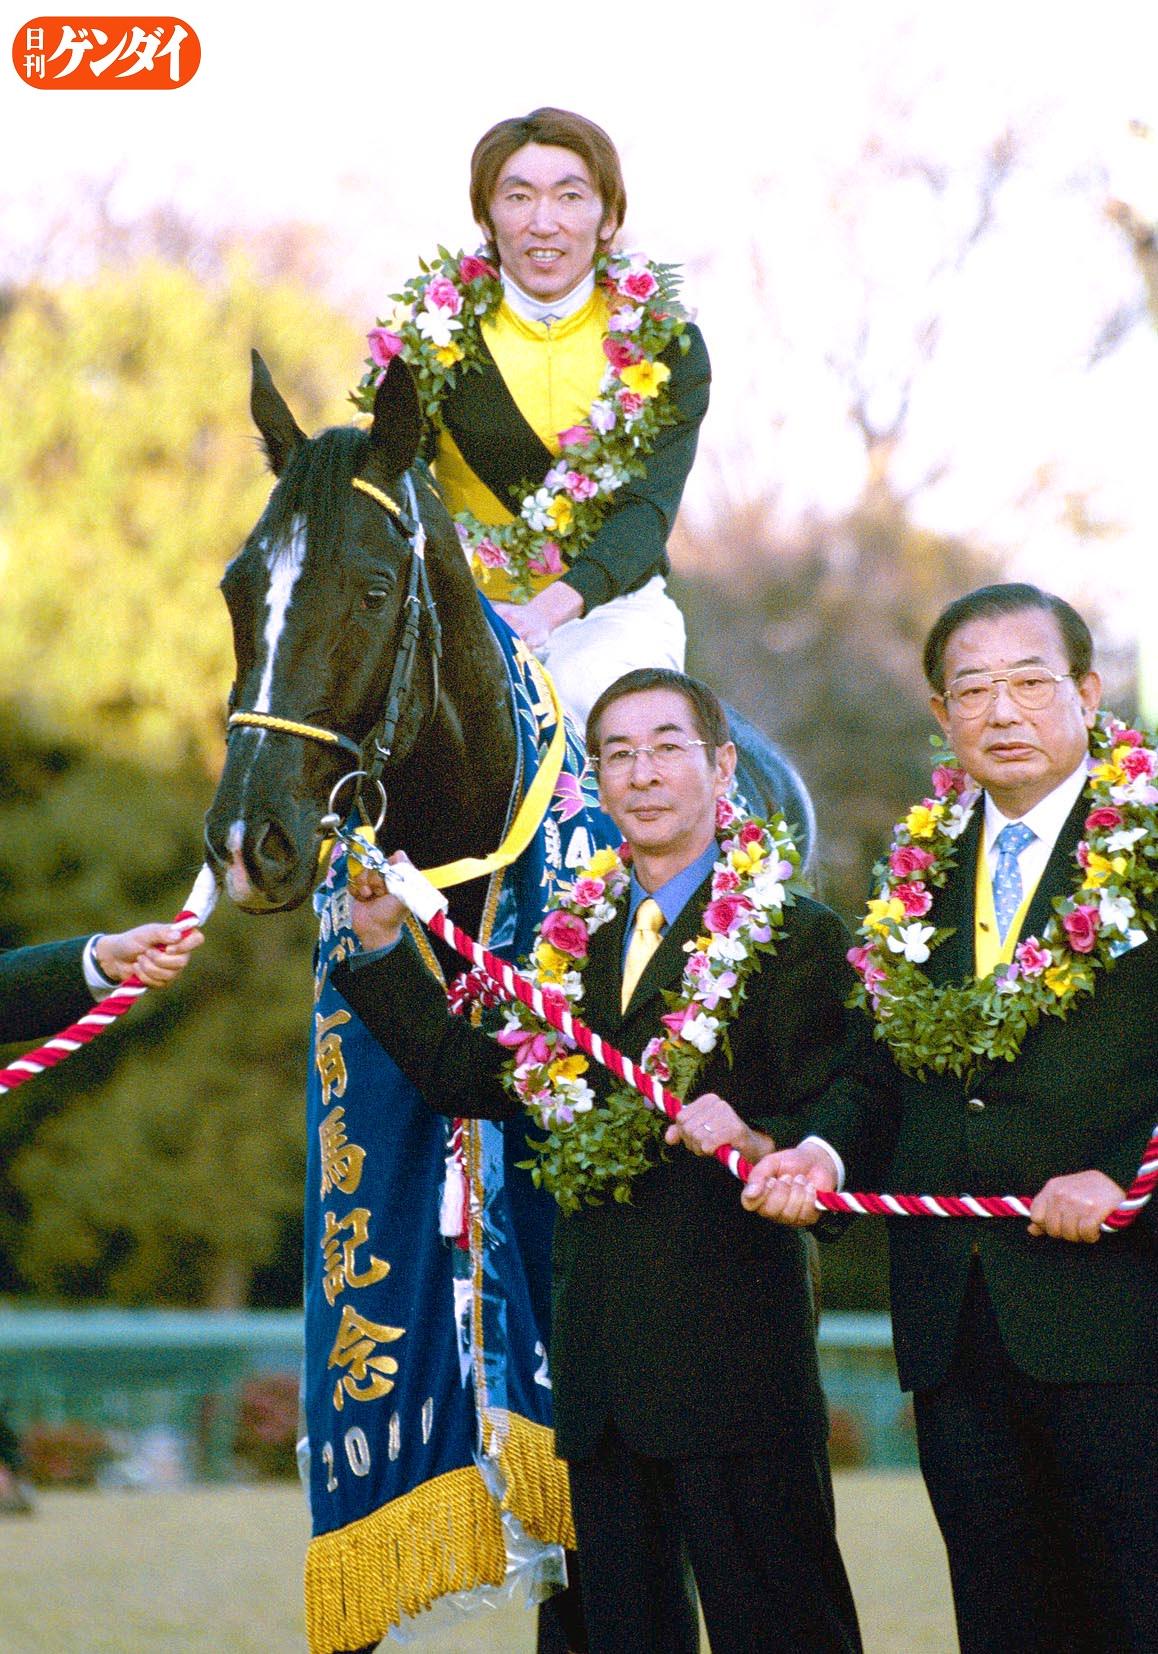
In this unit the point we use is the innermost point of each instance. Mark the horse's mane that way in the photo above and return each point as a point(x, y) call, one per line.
point(315, 485)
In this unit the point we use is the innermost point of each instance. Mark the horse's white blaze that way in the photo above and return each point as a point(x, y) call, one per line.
point(285, 564)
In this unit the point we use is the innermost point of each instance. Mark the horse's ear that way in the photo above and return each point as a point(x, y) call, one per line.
point(396, 433)
point(279, 429)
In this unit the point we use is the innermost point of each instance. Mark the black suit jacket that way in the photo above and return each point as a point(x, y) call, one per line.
point(42, 990)
point(1081, 1093)
point(679, 1315)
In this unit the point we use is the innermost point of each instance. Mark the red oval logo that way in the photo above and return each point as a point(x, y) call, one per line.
point(106, 54)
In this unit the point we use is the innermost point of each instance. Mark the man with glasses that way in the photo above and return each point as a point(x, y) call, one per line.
point(683, 1361)
point(1031, 1349)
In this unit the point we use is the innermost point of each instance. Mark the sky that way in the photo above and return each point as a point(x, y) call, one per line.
point(814, 167)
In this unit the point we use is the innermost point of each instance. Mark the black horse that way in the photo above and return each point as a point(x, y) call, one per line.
point(355, 652)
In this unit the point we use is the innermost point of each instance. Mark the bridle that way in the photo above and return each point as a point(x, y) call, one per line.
point(376, 750)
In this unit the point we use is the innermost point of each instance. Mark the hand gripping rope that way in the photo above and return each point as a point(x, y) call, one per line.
point(198, 907)
point(429, 905)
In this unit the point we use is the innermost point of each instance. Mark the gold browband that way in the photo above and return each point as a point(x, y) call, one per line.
point(378, 494)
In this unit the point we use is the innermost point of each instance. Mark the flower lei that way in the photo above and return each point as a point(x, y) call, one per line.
point(436, 327)
point(954, 1028)
point(588, 1153)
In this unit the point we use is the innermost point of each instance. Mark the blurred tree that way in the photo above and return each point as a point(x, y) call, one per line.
point(128, 476)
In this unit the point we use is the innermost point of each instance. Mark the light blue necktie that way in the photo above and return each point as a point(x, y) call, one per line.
point(1010, 842)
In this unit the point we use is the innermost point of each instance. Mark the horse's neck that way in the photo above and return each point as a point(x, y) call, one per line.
point(451, 796)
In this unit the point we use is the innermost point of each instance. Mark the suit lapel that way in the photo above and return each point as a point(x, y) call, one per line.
point(1058, 877)
point(603, 976)
point(954, 907)
point(491, 432)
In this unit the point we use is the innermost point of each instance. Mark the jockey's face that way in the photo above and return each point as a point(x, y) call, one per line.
point(547, 220)
point(663, 802)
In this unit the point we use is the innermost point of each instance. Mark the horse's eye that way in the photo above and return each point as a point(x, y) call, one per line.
point(373, 601)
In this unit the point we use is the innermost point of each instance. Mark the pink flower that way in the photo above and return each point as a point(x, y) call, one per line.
point(384, 345)
point(602, 417)
point(621, 354)
point(1138, 762)
point(725, 813)
point(547, 560)
point(750, 833)
point(442, 294)
point(630, 401)
point(492, 556)
point(675, 1019)
point(861, 960)
point(531, 1050)
point(1081, 927)
point(1082, 853)
point(914, 898)
point(908, 859)
point(471, 268)
point(653, 1061)
point(948, 780)
point(567, 932)
point(723, 881)
point(587, 892)
point(625, 321)
point(580, 487)
point(1104, 816)
point(1128, 738)
point(575, 436)
point(1032, 957)
point(638, 285)
point(698, 965)
point(724, 913)
point(719, 989)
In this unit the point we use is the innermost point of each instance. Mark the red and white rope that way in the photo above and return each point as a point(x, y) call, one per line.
point(197, 909)
point(516, 986)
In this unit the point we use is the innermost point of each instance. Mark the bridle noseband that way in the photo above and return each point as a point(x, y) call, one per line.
point(419, 601)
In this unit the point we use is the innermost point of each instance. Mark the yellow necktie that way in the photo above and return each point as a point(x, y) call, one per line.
point(645, 938)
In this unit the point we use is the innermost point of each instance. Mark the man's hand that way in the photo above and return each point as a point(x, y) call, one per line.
point(703, 1124)
point(156, 953)
point(536, 620)
point(1074, 1208)
point(375, 914)
point(783, 1186)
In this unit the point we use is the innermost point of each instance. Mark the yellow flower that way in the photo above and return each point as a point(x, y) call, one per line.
point(922, 819)
point(568, 1068)
point(1111, 774)
point(447, 355)
point(552, 965)
point(1098, 870)
point(1059, 981)
point(645, 378)
point(601, 863)
point(747, 858)
point(881, 911)
point(561, 514)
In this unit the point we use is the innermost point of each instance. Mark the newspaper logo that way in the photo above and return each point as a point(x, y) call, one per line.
point(106, 54)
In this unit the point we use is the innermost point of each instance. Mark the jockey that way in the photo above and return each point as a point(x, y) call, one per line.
point(547, 192)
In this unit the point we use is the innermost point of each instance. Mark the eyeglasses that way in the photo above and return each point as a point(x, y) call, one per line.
point(1031, 687)
point(665, 755)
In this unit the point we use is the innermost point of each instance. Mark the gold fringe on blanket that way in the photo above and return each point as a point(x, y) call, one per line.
point(538, 1487)
point(445, 1535)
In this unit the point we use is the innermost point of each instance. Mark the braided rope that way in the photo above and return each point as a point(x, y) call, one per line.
point(516, 986)
point(198, 906)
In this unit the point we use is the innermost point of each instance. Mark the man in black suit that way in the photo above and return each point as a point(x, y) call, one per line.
point(44, 988)
point(1032, 1350)
point(683, 1359)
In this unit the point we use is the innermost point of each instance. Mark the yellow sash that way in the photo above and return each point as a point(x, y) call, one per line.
point(989, 950)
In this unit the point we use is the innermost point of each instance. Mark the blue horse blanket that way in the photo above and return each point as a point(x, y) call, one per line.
point(427, 1390)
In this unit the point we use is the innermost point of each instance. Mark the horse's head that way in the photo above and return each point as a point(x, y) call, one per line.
point(318, 597)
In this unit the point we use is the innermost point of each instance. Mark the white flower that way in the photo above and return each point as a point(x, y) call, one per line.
point(766, 891)
point(1116, 911)
point(1124, 838)
point(701, 1031)
point(913, 942)
point(1139, 791)
point(609, 478)
point(955, 823)
point(729, 948)
point(436, 326)
point(535, 509)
